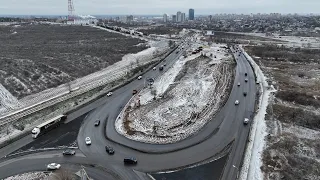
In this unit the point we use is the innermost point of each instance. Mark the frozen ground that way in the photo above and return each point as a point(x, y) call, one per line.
point(252, 160)
point(29, 176)
point(292, 41)
point(7, 100)
point(181, 101)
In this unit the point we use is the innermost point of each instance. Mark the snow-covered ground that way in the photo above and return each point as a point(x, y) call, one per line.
point(181, 101)
point(291, 41)
point(29, 176)
point(252, 160)
point(7, 100)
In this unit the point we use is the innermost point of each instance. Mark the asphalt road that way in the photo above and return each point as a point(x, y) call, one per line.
point(38, 162)
point(226, 128)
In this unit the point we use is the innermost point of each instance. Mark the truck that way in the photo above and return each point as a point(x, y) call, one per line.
point(47, 126)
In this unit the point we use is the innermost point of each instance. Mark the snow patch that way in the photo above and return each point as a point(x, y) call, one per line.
point(29, 176)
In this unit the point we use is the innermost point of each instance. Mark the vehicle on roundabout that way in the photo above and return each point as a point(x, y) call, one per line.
point(246, 121)
point(69, 152)
point(109, 94)
point(237, 102)
point(53, 166)
point(97, 123)
point(88, 141)
point(130, 160)
point(109, 150)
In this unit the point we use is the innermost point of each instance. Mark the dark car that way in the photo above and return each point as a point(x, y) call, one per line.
point(245, 74)
point(130, 160)
point(160, 68)
point(97, 123)
point(245, 93)
point(109, 150)
point(69, 152)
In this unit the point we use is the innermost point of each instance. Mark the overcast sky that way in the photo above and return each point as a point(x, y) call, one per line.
point(136, 7)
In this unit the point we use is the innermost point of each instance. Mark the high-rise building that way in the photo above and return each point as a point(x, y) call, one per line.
point(179, 16)
point(191, 14)
point(183, 17)
point(174, 18)
point(165, 18)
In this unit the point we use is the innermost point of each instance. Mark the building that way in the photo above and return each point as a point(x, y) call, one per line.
point(191, 14)
point(174, 18)
point(165, 18)
point(179, 16)
point(183, 17)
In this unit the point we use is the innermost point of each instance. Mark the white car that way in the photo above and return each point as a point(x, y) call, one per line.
point(237, 102)
point(246, 80)
point(154, 68)
point(88, 141)
point(245, 121)
point(238, 83)
point(53, 166)
point(109, 94)
point(140, 77)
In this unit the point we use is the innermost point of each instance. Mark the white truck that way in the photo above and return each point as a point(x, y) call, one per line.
point(47, 126)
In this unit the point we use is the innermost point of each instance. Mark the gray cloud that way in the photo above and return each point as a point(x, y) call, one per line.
point(53, 7)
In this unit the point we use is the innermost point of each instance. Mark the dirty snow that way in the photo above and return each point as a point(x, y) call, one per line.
point(7, 100)
point(187, 96)
point(29, 176)
point(253, 157)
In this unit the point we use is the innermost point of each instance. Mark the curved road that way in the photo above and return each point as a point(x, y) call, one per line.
point(227, 127)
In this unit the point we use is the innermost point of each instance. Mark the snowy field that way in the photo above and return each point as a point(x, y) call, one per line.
point(181, 101)
point(291, 41)
point(29, 176)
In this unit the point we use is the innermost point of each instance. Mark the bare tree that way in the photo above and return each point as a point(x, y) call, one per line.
point(62, 174)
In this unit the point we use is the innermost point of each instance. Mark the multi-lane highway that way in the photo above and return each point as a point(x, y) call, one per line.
point(225, 129)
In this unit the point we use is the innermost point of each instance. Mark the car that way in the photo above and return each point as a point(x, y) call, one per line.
point(139, 77)
point(97, 123)
point(245, 93)
point(257, 82)
point(238, 83)
point(109, 150)
point(88, 141)
point(237, 102)
point(130, 160)
point(53, 166)
point(134, 92)
point(160, 68)
point(154, 68)
point(109, 94)
point(246, 121)
point(69, 152)
point(246, 80)
point(246, 74)
point(164, 64)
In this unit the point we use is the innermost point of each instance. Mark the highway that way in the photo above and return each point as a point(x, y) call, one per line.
point(227, 127)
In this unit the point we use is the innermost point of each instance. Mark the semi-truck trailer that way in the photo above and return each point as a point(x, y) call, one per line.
point(47, 126)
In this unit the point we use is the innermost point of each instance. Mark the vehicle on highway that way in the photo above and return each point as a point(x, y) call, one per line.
point(130, 160)
point(53, 166)
point(139, 77)
point(88, 141)
point(154, 68)
point(246, 80)
point(246, 74)
point(245, 93)
point(237, 102)
point(134, 92)
point(97, 123)
point(246, 121)
point(69, 152)
point(109, 94)
point(109, 150)
point(47, 126)
point(238, 83)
